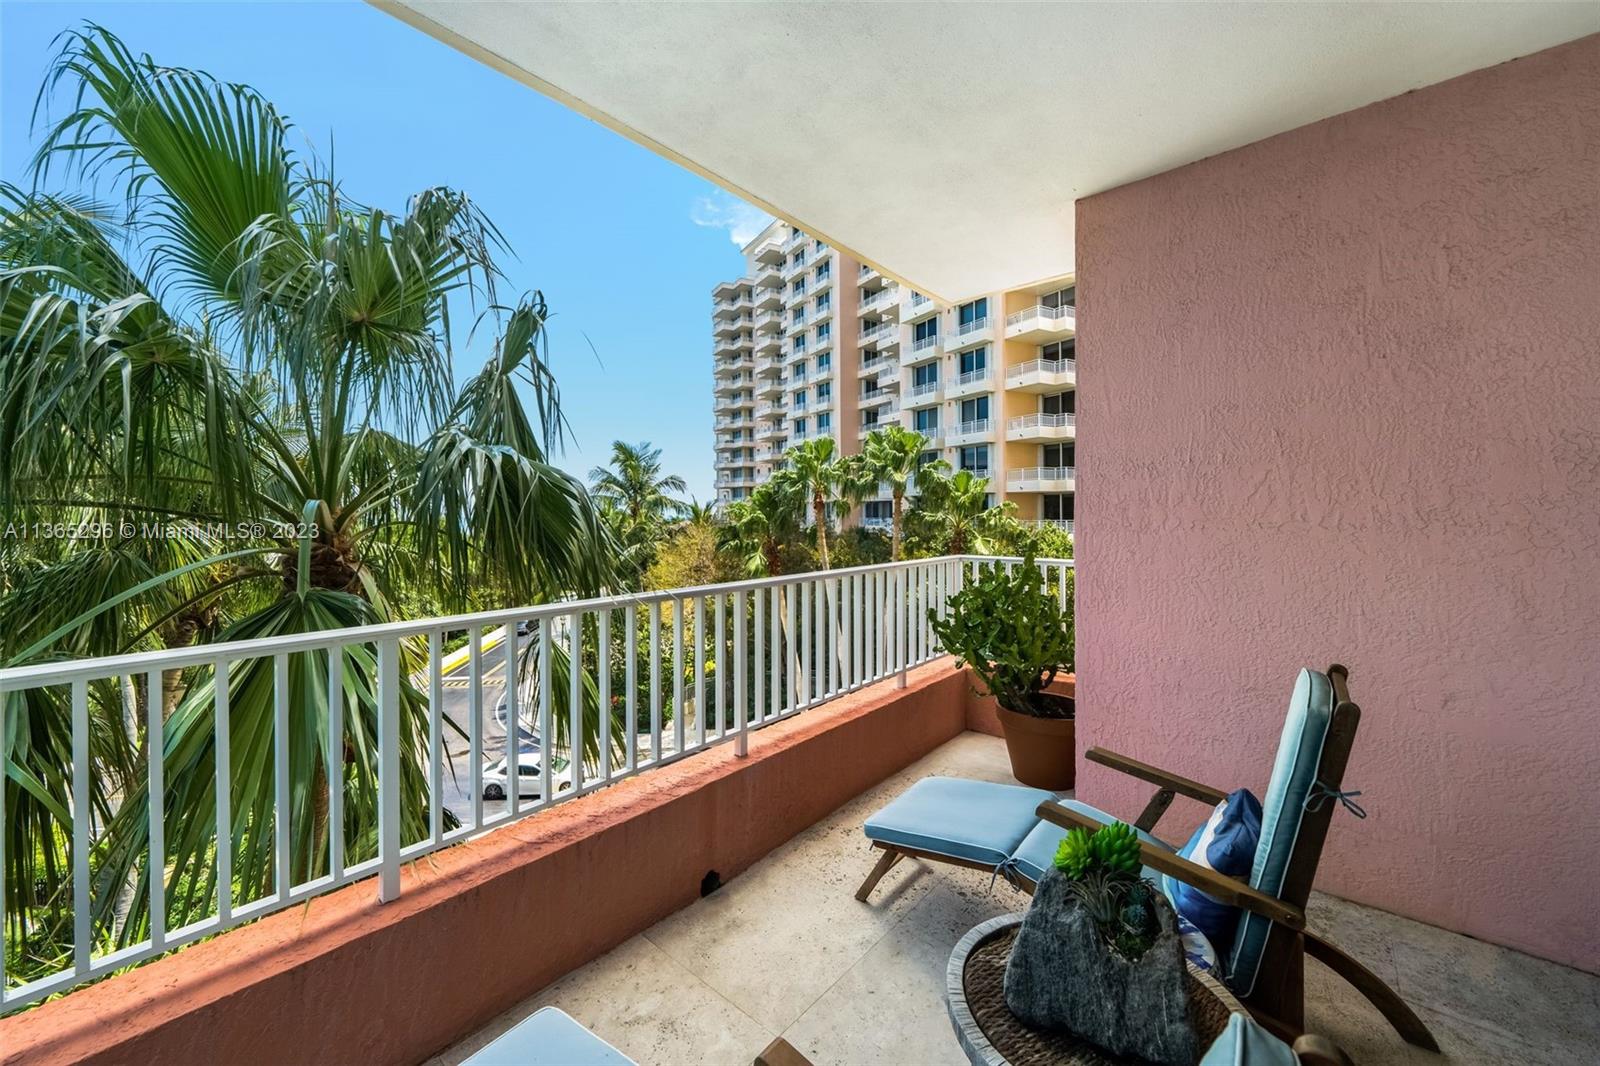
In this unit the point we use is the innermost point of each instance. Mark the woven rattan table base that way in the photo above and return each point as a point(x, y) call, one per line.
point(983, 984)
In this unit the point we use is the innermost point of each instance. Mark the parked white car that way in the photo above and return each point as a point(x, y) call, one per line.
point(530, 769)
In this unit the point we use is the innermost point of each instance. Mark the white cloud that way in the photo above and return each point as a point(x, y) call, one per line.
point(724, 211)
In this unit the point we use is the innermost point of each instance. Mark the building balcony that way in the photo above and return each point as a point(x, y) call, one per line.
point(978, 431)
point(875, 397)
point(887, 372)
point(915, 307)
point(821, 313)
point(1042, 427)
point(929, 392)
point(767, 321)
point(969, 334)
point(1040, 324)
point(1043, 375)
point(776, 429)
point(1063, 524)
point(735, 322)
point(1040, 479)
point(730, 293)
point(920, 351)
point(971, 383)
point(880, 335)
point(795, 296)
point(770, 295)
point(770, 250)
point(875, 302)
point(771, 385)
point(732, 344)
point(768, 343)
point(735, 384)
point(796, 240)
point(796, 266)
point(771, 410)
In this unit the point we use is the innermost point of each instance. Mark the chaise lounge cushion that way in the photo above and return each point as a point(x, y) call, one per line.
point(1244, 1043)
point(978, 821)
point(1305, 730)
point(550, 1037)
point(1038, 849)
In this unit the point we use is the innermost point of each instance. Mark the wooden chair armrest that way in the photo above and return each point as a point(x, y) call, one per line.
point(1220, 886)
point(1156, 776)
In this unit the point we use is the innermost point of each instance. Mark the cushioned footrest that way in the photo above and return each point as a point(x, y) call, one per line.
point(549, 1037)
point(978, 821)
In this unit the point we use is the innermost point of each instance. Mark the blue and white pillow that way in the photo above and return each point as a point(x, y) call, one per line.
point(1226, 843)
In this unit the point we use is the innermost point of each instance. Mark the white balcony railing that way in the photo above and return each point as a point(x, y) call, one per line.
point(1039, 475)
point(977, 325)
point(1047, 314)
point(1042, 366)
point(977, 427)
point(972, 377)
point(1056, 523)
point(793, 642)
point(927, 388)
point(922, 344)
point(1042, 421)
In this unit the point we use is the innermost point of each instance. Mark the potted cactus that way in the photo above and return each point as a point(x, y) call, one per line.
point(1017, 636)
point(1099, 953)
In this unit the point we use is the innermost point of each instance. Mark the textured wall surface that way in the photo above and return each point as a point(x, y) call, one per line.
point(1341, 402)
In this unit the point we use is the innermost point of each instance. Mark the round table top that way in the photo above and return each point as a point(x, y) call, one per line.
point(991, 1036)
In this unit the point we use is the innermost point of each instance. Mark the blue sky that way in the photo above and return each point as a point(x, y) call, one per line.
point(625, 245)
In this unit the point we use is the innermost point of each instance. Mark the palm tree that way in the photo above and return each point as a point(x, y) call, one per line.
point(893, 454)
point(954, 510)
point(634, 485)
point(696, 513)
point(274, 389)
point(812, 468)
point(638, 500)
point(759, 526)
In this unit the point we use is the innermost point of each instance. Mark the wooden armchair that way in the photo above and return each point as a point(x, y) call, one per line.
point(1267, 963)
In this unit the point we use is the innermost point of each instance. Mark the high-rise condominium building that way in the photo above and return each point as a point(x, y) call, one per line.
point(811, 343)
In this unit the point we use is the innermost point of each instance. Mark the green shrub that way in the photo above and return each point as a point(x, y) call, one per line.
point(1014, 633)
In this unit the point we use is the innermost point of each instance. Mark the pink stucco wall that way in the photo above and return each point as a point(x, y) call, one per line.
point(1340, 400)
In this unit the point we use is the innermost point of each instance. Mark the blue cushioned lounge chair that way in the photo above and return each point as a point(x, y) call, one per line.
point(549, 1037)
point(1015, 830)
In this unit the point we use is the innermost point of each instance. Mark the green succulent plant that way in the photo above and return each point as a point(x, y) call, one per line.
point(1074, 854)
point(1116, 847)
point(1102, 868)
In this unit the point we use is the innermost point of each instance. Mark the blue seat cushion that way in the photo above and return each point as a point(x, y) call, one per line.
point(550, 1037)
point(979, 821)
point(1226, 842)
point(1244, 1043)
point(1305, 729)
point(1037, 851)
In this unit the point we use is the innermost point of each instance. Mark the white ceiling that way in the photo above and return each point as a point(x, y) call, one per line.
point(946, 142)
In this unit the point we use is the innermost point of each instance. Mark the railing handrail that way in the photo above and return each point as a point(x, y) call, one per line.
point(1041, 311)
point(1043, 419)
point(1041, 473)
point(963, 328)
point(1044, 366)
point(65, 671)
point(976, 425)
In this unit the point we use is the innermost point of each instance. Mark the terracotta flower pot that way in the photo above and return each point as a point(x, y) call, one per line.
point(1042, 750)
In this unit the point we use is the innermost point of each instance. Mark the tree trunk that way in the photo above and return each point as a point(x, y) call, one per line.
point(819, 510)
point(894, 526)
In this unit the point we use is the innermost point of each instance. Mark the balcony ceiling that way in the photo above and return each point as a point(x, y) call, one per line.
point(946, 144)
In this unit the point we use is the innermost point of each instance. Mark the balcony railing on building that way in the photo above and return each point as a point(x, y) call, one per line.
point(1040, 479)
point(1043, 426)
point(780, 646)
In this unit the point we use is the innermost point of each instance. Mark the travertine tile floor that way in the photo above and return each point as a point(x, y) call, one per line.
point(784, 948)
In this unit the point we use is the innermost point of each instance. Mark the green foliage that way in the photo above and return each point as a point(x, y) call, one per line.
point(1012, 631)
point(639, 502)
point(1116, 847)
point(1073, 854)
point(1102, 868)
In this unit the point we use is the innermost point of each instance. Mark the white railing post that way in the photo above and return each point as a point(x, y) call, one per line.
point(82, 927)
point(389, 769)
point(155, 736)
point(741, 743)
point(902, 585)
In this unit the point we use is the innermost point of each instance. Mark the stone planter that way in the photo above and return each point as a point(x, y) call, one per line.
point(1062, 976)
